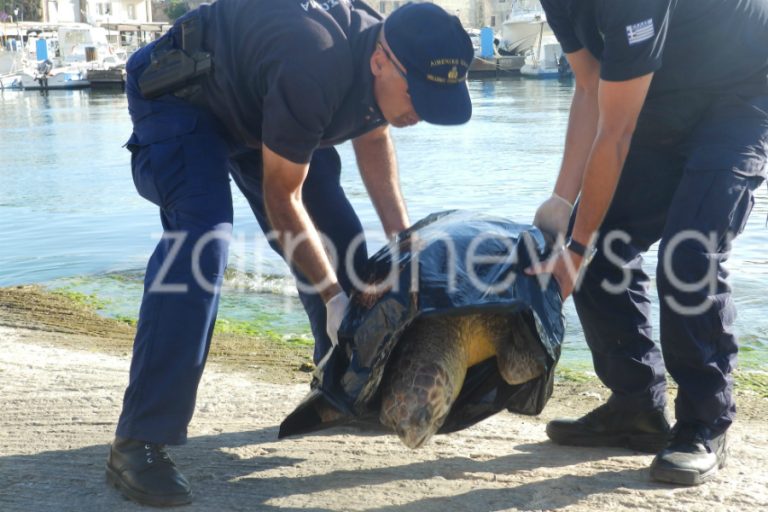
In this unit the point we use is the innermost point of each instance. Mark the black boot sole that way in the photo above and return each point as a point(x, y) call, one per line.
point(142, 498)
point(685, 477)
point(646, 443)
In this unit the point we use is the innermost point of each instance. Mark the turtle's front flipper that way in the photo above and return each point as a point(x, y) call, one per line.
point(519, 355)
point(423, 379)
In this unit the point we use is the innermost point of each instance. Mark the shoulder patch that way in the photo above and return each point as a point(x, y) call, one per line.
point(640, 32)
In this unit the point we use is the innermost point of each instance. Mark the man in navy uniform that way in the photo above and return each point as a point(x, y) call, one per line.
point(261, 90)
point(666, 142)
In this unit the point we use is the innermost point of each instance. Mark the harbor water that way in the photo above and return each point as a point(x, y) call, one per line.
point(71, 218)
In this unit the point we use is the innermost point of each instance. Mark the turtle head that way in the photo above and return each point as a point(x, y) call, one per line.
point(423, 379)
point(417, 412)
point(417, 428)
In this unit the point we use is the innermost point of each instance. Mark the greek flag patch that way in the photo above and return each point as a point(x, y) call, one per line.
point(640, 32)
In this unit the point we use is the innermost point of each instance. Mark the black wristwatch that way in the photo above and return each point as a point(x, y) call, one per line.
point(587, 253)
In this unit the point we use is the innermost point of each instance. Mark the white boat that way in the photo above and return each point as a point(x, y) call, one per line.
point(11, 67)
point(81, 43)
point(82, 48)
point(520, 31)
point(9, 81)
point(546, 60)
point(47, 77)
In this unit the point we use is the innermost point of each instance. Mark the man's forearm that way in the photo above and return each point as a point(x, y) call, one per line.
point(301, 243)
point(378, 167)
point(582, 127)
point(600, 181)
point(295, 231)
point(619, 104)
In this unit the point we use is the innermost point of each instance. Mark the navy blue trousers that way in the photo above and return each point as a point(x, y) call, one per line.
point(182, 160)
point(692, 189)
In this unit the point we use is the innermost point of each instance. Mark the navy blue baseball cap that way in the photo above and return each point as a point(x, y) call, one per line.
point(436, 52)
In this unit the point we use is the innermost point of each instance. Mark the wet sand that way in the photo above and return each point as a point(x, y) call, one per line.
point(63, 370)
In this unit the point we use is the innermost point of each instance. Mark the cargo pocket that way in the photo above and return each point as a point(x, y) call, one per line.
point(157, 157)
point(738, 192)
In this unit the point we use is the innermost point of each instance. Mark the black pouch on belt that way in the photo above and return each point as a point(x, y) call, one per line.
point(172, 69)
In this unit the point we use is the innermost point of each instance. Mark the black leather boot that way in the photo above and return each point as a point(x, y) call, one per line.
point(642, 431)
point(692, 457)
point(145, 473)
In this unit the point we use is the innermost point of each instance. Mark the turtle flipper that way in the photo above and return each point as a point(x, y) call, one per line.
point(519, 355)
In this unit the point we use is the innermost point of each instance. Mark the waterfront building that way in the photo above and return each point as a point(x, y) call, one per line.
point(464, 9)
point(98, 12)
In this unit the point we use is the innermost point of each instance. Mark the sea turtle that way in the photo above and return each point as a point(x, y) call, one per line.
point(427, 370)
point(410, 344)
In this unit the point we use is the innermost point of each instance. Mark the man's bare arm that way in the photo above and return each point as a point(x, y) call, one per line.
point(582, 124)
point(296, 233)
point(377, 162)
point(620, 104)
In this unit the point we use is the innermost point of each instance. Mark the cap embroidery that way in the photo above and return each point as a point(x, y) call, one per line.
point(452, 77)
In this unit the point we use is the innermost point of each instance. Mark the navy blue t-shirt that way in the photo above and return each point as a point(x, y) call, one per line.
point(292, 74)
point(707, 45)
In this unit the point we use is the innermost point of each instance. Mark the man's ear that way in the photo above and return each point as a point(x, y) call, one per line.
point(377, 62)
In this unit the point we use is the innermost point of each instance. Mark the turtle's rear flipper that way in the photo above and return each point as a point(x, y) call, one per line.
point(519, 354)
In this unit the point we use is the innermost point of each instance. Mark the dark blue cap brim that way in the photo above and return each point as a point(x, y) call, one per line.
point(440, 104)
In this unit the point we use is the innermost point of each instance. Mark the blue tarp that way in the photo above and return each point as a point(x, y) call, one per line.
point(450, 263)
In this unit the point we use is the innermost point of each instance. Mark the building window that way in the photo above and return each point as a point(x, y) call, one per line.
point(395, 5)
point(131, 11)
point(104, 9)
point(493, 21)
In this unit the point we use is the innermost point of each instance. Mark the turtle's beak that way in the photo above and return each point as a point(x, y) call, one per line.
point(412, 437)
point(417, 428)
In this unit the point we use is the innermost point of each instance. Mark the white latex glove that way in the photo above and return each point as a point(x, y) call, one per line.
point(335, 309)
point(552, 219)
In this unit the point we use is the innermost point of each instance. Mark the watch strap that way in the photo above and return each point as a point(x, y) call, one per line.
point(576, 247)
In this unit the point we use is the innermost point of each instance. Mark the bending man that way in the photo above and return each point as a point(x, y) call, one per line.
point(261, 91)
point(666, 142)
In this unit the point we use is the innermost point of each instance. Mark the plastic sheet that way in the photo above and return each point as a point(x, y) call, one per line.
point(450, 263)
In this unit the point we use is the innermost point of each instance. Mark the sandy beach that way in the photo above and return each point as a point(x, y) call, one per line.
point(63, 370)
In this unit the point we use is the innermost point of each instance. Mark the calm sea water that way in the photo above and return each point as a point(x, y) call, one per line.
point(71, 218)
